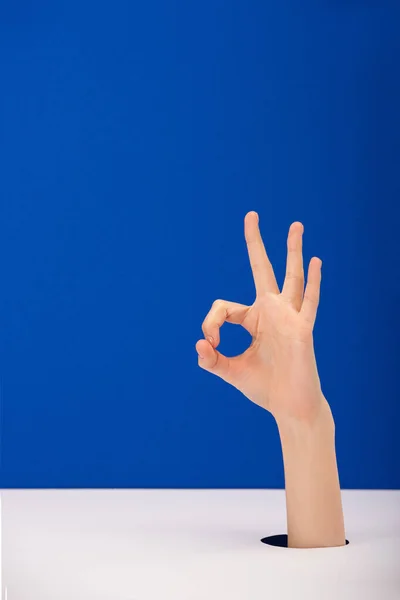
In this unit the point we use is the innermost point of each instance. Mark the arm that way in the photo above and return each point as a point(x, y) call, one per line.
point(279, 372)
point(313, 501)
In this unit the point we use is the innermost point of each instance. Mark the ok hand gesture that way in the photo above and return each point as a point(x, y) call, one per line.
point(278, 371)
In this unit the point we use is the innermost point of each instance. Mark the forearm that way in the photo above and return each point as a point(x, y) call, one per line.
point(313, 498)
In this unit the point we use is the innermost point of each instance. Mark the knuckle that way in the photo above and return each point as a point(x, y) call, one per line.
point(207, 324)
point(313, 299)
point(290, 275)
point(306, 332)
point(218, 304)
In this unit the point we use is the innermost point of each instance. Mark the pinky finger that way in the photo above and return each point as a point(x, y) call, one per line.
point(312, 292)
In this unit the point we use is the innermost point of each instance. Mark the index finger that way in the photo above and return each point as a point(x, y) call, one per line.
point(221, 312)
point(263, 273)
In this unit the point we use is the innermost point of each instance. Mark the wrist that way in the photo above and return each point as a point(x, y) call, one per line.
point(319, 425)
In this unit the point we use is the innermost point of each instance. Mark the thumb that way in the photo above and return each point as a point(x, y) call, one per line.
point(213, 361)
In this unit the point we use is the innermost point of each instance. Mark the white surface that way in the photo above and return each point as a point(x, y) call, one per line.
point(190, 545)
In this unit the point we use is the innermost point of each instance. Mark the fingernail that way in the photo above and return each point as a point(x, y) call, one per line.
point(200, 356)
point(211, 340)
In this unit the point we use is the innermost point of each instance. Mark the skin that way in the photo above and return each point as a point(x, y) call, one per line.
point(279, 373)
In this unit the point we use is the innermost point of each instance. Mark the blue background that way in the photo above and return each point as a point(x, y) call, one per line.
point(134, 138)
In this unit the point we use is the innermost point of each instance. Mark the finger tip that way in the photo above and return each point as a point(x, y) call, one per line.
point(317, 261)
point(297, 226)
point(211, 340)
point(251, 224)
point(251, 215)
point(199, 349)
point(203, 348)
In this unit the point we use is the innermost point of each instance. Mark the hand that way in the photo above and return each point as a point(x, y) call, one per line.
point(278, 371)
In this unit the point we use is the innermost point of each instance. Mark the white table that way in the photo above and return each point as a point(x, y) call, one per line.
point(190, 545)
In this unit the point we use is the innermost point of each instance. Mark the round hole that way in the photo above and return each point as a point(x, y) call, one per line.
point(279, 540)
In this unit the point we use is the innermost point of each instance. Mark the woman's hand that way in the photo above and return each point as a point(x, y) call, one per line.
point(278, 371)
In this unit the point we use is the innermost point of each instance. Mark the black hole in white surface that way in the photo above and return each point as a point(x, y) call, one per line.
point(279, 540)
